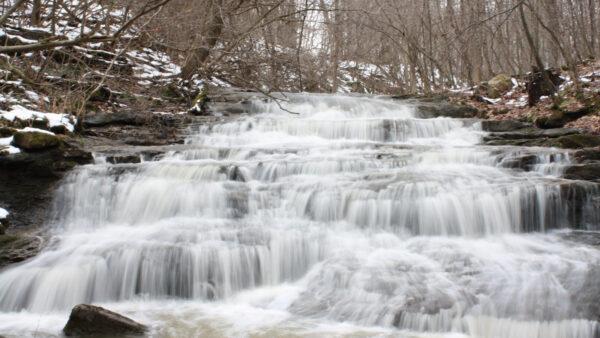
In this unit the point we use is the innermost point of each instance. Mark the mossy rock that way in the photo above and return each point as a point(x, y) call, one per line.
point(34, 140)
point(565, 103)
point(198, 103)
point(499, 84)
point(577, 141)
point(7, 241)
point(7, 132)
point(171, 92)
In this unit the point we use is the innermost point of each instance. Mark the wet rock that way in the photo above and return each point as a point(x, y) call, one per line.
point(559, 132)
point(577, 197)
point(531, 133)
point(446, 109)
point(578, 141)
point(503, 125)
point(588, 154)
point(27, 179)
point(118, 118)
point(34, 140)
point(88, 320)
point(229, 101)
point(123, 159)
point(566, 138)
point(525, 162)
point(15, 249)
point(587, 172)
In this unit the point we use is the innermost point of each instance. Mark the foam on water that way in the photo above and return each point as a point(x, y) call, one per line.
point(353, 217)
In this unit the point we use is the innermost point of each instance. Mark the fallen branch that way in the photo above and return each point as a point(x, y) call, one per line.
point(34, 47)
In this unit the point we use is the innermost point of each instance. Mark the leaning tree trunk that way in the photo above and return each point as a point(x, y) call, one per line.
point(199, 56)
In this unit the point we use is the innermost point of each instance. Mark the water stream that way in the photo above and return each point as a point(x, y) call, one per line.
point(354, 217)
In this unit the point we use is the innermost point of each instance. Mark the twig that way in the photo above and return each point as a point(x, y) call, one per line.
point(11, 10)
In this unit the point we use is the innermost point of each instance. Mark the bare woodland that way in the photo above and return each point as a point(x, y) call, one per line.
point(379, 46)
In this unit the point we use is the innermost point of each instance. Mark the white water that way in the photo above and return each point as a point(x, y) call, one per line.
point(353, 218)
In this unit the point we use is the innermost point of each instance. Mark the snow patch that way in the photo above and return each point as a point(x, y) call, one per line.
point(34, 130)
point(23, 113)
point(3, 213)
point(5, 146)
point(492, 101)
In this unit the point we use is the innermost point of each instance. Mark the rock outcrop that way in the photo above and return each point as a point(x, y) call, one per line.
point(15, 249)
point(27, 179)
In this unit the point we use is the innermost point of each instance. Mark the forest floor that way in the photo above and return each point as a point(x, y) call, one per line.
point(513, 104)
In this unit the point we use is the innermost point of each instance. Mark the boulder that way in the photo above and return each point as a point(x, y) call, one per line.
point(499, 84)
point(88, 320)
point(34, 140)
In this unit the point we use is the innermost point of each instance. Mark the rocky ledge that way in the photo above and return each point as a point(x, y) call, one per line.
point(586, 157)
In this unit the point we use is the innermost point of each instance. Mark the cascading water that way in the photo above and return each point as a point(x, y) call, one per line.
point(353, 217)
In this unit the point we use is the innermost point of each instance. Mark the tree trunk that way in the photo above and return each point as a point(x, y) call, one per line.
point(197, 57)
point(36, 13)
point(547, 83)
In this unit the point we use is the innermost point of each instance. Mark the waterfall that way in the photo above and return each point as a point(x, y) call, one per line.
point(322, 215)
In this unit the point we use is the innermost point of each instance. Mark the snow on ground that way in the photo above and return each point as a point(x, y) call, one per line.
point(5, 146)
point(30, 130)
point(3, 213)
point(23, 113)
point(151, 64)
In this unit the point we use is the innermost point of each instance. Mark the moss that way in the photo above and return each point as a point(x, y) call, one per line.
point(34, 140)
point(201, 97)
point(564, 104)
point(198, 103)
point(170, 92)
point(128, 97)
point(578, 141)
point(6, 241)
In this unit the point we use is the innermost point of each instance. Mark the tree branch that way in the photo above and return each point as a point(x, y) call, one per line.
point(11, 10)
